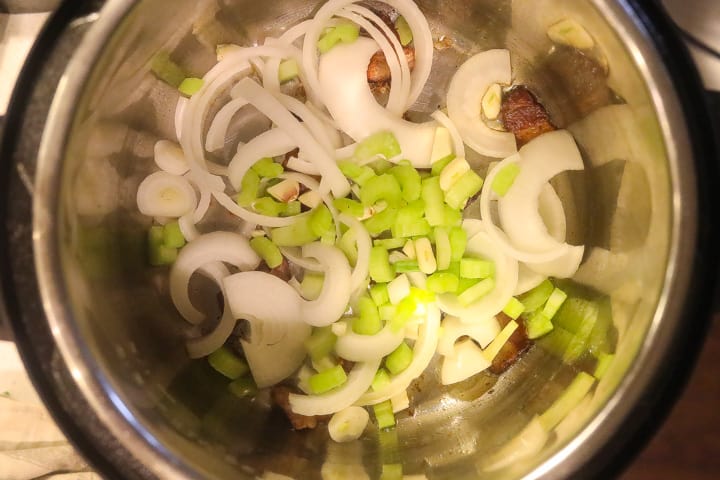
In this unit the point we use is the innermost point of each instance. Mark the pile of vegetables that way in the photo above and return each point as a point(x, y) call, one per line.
point(367, 210)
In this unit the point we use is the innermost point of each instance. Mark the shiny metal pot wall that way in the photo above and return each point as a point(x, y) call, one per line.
point(635, 208)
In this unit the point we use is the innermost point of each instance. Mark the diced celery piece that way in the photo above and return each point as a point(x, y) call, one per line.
point(349, 207)
point(458, 243)
point(399, 359)
point(556, 299)
point(380, 165)
point(421, 296)
point(453, 218)
point(267, 250)
point(291, 209)
point(381, 380)
point(578, 346)
point(557, 341)
point(538, 325)
point(357, 173)
point(405, 266)
point(404, 311)
point(433, 197)
point(384, 414)
point(476, 268)
point(514, 308)
point(226, 362)
point(312, 285)
point(327, 380)
point(505, 178)
point(324, 363)
point(381, 187)
point(167, 70)
point(381, 270)
point(249, 188)
point(381, 221)
point(537, 297)
point(391, 471)
point(190, 86)
point(443, 248)
point(267, 167)
point(159, 254)
point(268, 206)
point(599, 341)
point(156, 236)
point(288, 70)
point(368, 322)
point(387, 312)
point(437, 167)
point(569, 399)
point(467, 185)
point(173, 236)
point(465, 283)
point(442, 282)
point(576, 313)
point(405, 227)
point(345, 32)
point(294, 235)
point(380, 143)
point(409, 180)
point(379, 294)
point(603, 363)
point(476, 292)
point(404, 31)
point(243, 387)
point(321, 221)
point(348, 245)
point(321, 343)
point(390, 243)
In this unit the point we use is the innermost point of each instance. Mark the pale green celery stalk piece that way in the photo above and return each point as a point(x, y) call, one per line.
point(294, 235)
point(569, 399)
point(381, 187)
point(267, 250)
point(404, 31)
point(172, 235)
point(465, 187)
point(368, 322)
point(226, 362)
point(312, 285)
point(381, 143)
point(190, 86)
point(384, 414)
point(167, 70)
point(514, 308)
point(320, 343)
point(505, 179)
point(327, 380)
point(381, 270)
point(268, 206)
point(288, 70)
point(268, 168)
point(249, 188)
point(477, 291)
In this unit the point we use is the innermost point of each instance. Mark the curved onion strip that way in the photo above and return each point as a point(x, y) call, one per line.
point(527, 279)
point(464, 102)
point(483, 332)
point(347, 95)
point(472, 226)
point(293, 255)
point(333, 131)
point(365, 348)
point(164, 195)
point(271, 363)
point(313, 124)
point(552, 212)
point(271, 143)
point(292, 34)
point(445, 121)
point(215, 139)
point(271, 75)
point(179, 115)
point(275, 111)
point(302, 166)
point(212, 247)
point(423, 352)
point(251, 217)
point(364, 244)
point(335, 294)
point(203, 205)
point(187, 227)
point(465, 360)
point(205, 345)
point(506, 277)
point(358, 382)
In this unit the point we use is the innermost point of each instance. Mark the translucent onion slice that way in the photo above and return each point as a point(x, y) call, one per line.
point(179, 114)
point(302, 166)
point(506, 277)
point(365, 348)
point(347, 95)
point(170, 157)
point(464, 102)
point(335, 294)
point(423, 352)
point(271, 143)
point(482, 331)
point(527, 279)
point(203, 346)
point(188, 228)
point(210, 248)
point(294, 255)
point(528, 443)
point(272, 363)
point(215, 139)
point(358, 382)
point(465, 360)
point(458, 145)
point(165, 195)
point(364, 244)
point(310, 120)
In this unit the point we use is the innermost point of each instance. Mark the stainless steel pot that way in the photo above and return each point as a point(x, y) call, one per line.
point(105, 346)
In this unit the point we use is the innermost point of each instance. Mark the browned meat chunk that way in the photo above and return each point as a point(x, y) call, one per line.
point(524, 116)
point(280, 396)
point(282, 271)
point(516, 345)
point(378, 70)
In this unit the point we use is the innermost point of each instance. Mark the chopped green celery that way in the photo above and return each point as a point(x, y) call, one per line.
point(443, 249)
point(476, 268)
point(295, 235)
point(603, 363)
point(243, 387)
point(467, 185)
point(406, 226)
point(312, 285)
point(267, 250)
point(404, 311)
point(406, 266)
point(538, 325)
point(173, 236)
point(327, 380)
point(381, 187)
point(190, 86)
point(349, 206)
point(557, 341)
point(421, 296)
point(387, 312)
point(324, 363)
point(453, 218)
point(537, 297)
point(476, 292)
point(348, 245)
point(570, 398)
point(588, 313)
point(409, 180)
point(442, 282)
point(267, 167)
point(384, 414)
point(291, 209)
point(320, 343)
point(458, 243)
point(391, 471)
point(156, 236)
point(390, 243)
point(465, 283)
point(249, 188)
point(553, 303)
point(381, 221)
point(380, 165)
point(321, 221)
point(379, 266)
point(381, 380)
point(288, 70)
point(159, 254)
point(357, 173)
point(404, 31)
point(505, 178)
point(599, 341)
point(437, 166)
point(368, 322)
point(380, 143)
point(514, 308)
point(433, 197)
point(345, 32)
point(379, 294)
point(167, 70)
point(226, 362)
point(268, 206)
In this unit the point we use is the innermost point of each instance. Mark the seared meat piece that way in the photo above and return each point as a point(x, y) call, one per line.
point(516, 345)
point(280, 396)
point(282, 271)
point(378, 70)
point(524, 116)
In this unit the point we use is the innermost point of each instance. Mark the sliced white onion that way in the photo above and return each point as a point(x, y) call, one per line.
point(506, 277)
point(170, 157)
point(302, 166)
point(162, 194)
point(527, 279)
point(423, 352)
point(565, 266)
point(472, 226)
point(482, 331)
point(271, 75)
point(187, 227)
point(310, 120)
point(210, 248)
point(271, 143)
point(444, 120)
point(294, 255)
point(465, 360)
point(215, 139)
point(272, 363)
point(335, 294)
point(364, 348)
point(347, 425)
point(364, 244)
point(464, 102)
point(203, 346)
point(358, 382)
point(179, 115)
